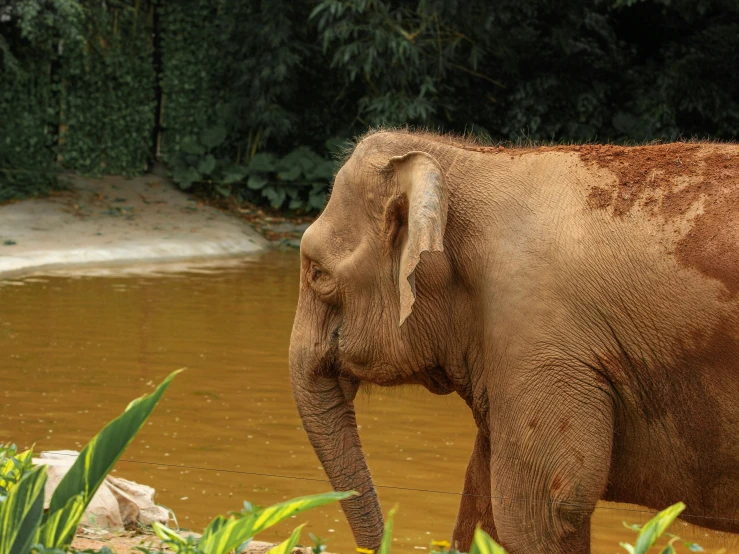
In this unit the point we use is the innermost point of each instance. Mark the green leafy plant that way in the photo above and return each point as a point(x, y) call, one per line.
point(23, 523)
point(223, 535)
point(79, 80)
point(298, 180)
point(106, 90)
point(319, 544)
point(654, 529)
point(195, 161)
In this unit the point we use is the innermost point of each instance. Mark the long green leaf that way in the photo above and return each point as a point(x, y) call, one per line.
point(286, 547)
point(166, 534)
point(654, 528)
point(483, 543)
point(27, 533)
point(387, 537)
point(236, 531)
point(100, 455)
point(20, 513)
point(217, 523)
point(62, 523)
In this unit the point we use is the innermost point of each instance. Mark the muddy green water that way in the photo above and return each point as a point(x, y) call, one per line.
point(75, 348)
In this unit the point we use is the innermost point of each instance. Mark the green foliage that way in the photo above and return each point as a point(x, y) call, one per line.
point(26, 134)
point(77, 85)
point(574, 71)
point(107, 84)
point(30, 34)
point(405, 53)
point(319, 544)
point(291, 74)
point(223, 535)
point(22, 519)
point(193, 72)
point(98, 457)
point(654, 529)
point(482, 543)
point(298, 179)
point(229, 88)
point(286, 546)
point(22, 505)
point(387, 536)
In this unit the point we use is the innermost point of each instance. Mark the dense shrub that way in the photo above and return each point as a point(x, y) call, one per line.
point(107, 84)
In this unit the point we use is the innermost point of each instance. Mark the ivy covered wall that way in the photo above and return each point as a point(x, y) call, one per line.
point(77, 90)
point(107, 90)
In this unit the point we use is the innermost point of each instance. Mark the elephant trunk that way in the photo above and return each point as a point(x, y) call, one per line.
point(326, 408)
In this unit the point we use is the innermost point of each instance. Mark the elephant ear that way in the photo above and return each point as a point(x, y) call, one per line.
point(420, 181)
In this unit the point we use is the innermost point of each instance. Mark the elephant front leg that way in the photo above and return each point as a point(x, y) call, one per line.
point(550, 461)
point(476, 506)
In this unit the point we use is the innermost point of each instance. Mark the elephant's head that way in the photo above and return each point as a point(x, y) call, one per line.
point(378, 303)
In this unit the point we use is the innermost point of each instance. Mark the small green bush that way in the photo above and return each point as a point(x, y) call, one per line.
point(23, 524)
point(299, 180)
point(222, 535)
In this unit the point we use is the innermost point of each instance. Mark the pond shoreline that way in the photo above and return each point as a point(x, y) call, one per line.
point(116, 221)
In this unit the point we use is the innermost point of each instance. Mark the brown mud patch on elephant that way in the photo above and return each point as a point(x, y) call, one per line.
point(712, 245)
point(693, 185)
point(696, 184)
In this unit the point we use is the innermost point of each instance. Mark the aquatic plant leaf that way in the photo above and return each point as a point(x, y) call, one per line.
point(166, 534)
point(654, 528)
point(20, 512)
point(387, 536)
point(217, 523)
point(286, 546)
point(62, 523)
point(482, 543)
point(236, 531)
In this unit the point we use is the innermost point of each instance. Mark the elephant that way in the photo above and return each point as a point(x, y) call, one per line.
point(582, 300)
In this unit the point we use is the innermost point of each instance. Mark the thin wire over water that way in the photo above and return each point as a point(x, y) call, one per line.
point(393, 487)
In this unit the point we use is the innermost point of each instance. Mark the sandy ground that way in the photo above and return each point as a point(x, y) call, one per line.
point(115, 220)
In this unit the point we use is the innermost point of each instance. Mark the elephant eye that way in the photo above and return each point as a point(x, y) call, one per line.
point(321, 281)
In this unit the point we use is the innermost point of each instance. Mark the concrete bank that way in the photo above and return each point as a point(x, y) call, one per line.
point(115, 220)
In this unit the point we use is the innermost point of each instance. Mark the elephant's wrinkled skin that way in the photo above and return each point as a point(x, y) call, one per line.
point(581, 300)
